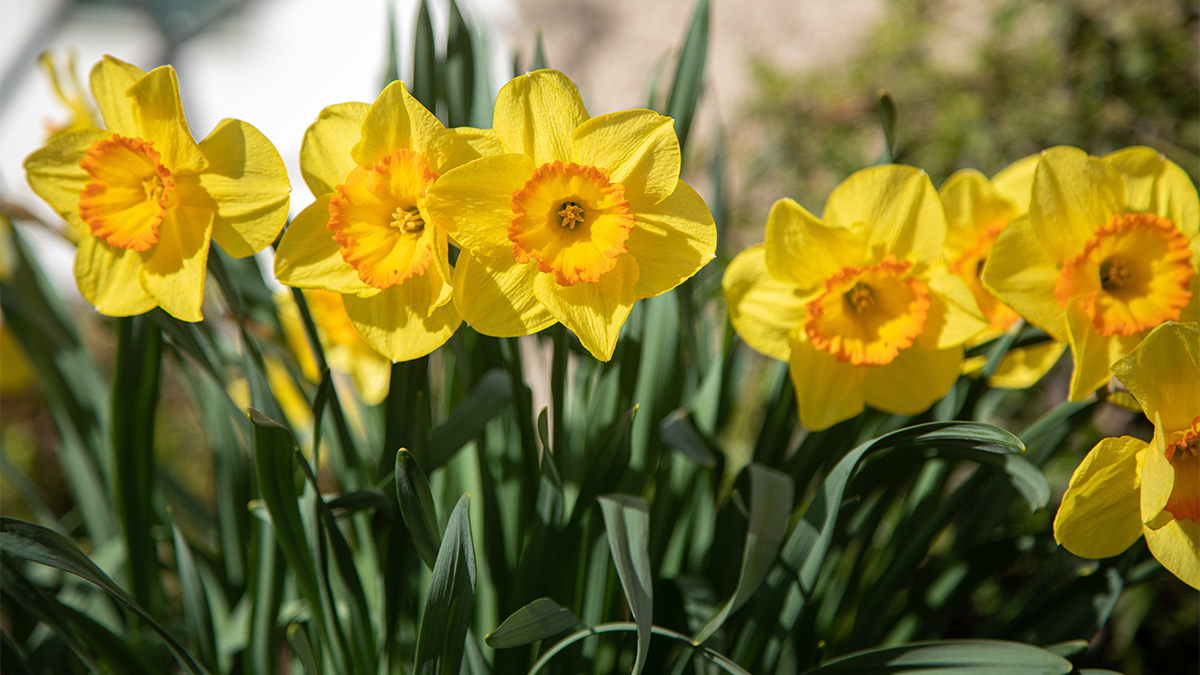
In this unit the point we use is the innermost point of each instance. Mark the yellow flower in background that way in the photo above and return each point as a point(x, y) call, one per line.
point(1126, 488)
point(345, 350)
point(578, 219)
point(147, 200)
point(83, 115)
point(858, 302)
point(977, 211)
point(369, 236)
point(1108, 252)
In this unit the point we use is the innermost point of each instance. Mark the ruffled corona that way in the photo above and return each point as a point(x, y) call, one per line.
point(968, 267)
point(572, 220)
point(866, 315)
point(128, 192)
point(1131, 275)
point(375, 217)
point(1184, 455)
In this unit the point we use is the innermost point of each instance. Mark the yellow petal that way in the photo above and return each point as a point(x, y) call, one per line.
point(1073, 194)
point(953, 316)
point(1157, 185)
point(308, 256)
point(593, 312)
point(473, 203)
point(671, 241)
point(401, 322)
point(55, 175)
point(763, 310)
point(249, 185)
point(108, 278)
point(1025, 366)
point(110, 82)
point(1093, 352)
point(1158, 479)
point(1177, 547)
point(973, 205)
point(900, 208)
point(913, 380)
point(1015, 182)
point(827, 390)
point(638, 149)
point(371, 373)
point(1019, 273)
point(173, 270)
point(1163, 373)
point(158, 115)
point(397, 121)
point(536, 114)
point(495, 296)
point(1099, 515)
point(325, 159)
point(804, 250)
point(480, 143)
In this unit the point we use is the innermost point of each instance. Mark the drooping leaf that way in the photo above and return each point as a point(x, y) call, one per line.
point(489, 397)
point(538, 620)
point(968, 657)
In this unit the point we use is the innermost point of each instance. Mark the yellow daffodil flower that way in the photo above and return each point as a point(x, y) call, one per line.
point(369, 236)
point(1126, 488)
point(345, 350)
point(1108, 251)
point(83, 115)
point(578, 219)
point(147, 199)
point(977, 210)
point(858, 302)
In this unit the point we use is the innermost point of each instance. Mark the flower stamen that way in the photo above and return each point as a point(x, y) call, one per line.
point(571, 214)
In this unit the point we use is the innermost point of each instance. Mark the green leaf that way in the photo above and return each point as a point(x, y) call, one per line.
point(607, 466)
point(887, 120)
point(451, 597)
point(489, 397)
point(679, 433)
point(982, 657)
point(416, 507)
point(392, 72)
point(195, 603)
point(689, 74)
point(425, 61)
point(538, 620)
point(771, 495)
point(627, 523)
point(539, 52)
point(459, 70)
point(27, 541)
point(302, 648)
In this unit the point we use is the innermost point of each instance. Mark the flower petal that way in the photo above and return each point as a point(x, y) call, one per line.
point(1177, 547)
point(249, 185)
point(973, 205)
point(495, 296)
point(1025, 366)
point(1019, 273)
point(593, 312)
point(481, 143)
point(804, 250)
point(1163, 373)
point(108, 278)
point(953, 316)
point(828, 391)
point(1157, 185)
point(671, 241)
point(401, 322)
point(1158, 479)
point(397, 121)
point(110, 82)
point(158, 115)
point(1073, 194)
point(1099, 515)
point(325, 159)
point(55, 175)
point(900, 208)
point(1093, 352)
point(1015, 181)
point(308, 256)
point(536, 114)
point(473, 203)
point(638, 149)
point(763, 310)
point(913, 380)
point(173, 270)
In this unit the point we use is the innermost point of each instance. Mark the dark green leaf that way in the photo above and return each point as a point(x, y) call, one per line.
point(425, 62)
point(538, 620)
point(459, 75)
point(679, 433)
point(983, 657)
point(195, 603)
point(627, 523)
point(298, 639)
point(887, 120)
point(689, 74)
point(416, 507)
point(447, 615)
point(489, 397)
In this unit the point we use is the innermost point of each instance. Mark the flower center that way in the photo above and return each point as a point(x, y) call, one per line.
point(128, 193)
point(375, 217)
point(572, 220)
point(866, 315)
point(1184, 455)
point(969, 265)
point(1131, 275)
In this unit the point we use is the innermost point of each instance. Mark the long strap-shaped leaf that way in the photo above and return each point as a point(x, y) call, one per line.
point(969, 657)
point(447, 615)
point(627, 522)
point(27, 541)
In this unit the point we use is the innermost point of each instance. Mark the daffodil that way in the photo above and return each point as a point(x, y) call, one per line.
point(70, 92)
point(577, 219)
point(147, 200)
point(345, 350)
point(368, 236)
point(1108, 252)
point(859, 302)
point(977, 211)
point(1126, 488)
